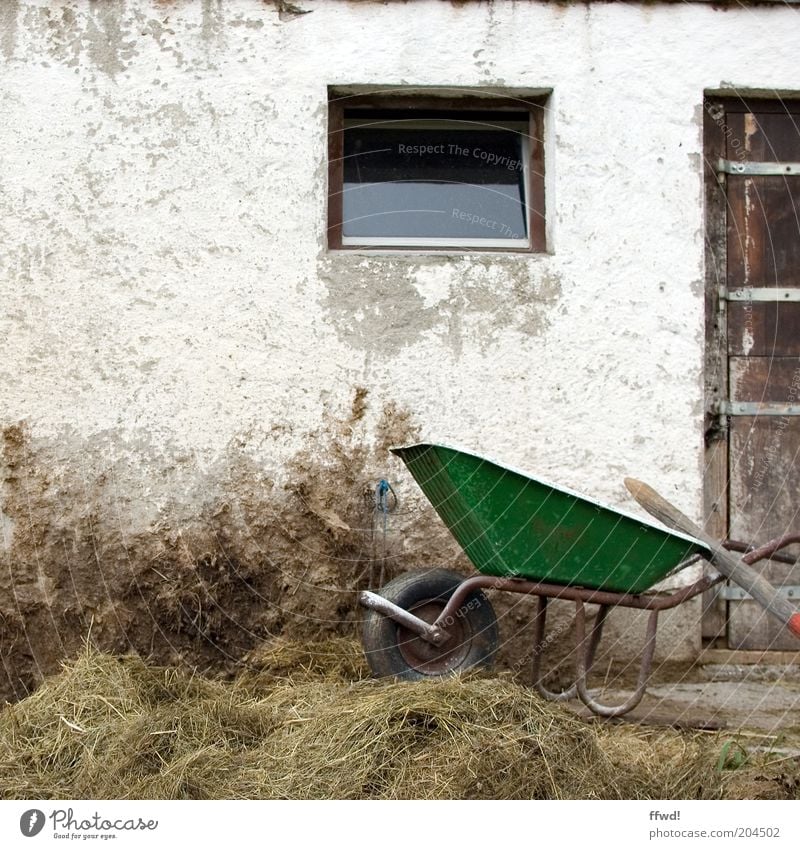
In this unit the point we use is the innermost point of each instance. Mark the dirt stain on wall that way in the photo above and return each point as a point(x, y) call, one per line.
point(9, 13)
point(105, 36)
point(378, 304)
point(256, 559)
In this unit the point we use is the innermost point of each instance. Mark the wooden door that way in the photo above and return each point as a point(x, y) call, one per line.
point(754, 151)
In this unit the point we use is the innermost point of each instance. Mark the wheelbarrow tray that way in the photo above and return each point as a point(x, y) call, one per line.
point(512, 525)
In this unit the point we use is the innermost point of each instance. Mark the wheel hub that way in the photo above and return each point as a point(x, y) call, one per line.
point(427, 658)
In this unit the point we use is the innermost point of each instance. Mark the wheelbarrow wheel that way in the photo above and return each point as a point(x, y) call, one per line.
point(393, 650)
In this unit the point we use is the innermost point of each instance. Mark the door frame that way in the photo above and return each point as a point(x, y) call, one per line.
point(716, 491)
point(715, 430)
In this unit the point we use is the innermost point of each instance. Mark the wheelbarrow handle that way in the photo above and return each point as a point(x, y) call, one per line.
point(731, 566)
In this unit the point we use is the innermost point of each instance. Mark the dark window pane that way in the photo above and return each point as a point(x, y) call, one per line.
point(434, 183)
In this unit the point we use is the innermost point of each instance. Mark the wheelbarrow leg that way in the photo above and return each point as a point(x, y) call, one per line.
point(540, 644)
point(585, 657)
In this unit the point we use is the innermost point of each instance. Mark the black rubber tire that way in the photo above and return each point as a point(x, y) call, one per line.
point(392, 650)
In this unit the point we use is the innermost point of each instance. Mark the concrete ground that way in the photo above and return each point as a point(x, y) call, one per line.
point(759, 703)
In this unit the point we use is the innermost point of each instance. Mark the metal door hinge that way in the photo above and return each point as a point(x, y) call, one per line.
point(731, 593)
point(760, 294)
point(758, 169)
point(756, 408)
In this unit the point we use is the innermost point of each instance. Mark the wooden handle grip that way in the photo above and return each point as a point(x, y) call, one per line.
point(733, 567)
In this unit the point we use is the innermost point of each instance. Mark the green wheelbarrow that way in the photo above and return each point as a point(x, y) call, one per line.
point(527, 536)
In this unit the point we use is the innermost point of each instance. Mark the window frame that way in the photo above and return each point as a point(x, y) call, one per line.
point(473, 101)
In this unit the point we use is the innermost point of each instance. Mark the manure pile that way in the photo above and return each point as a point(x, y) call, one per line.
point(303, 721)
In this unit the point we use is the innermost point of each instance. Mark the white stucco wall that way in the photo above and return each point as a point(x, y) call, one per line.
point(166, 286)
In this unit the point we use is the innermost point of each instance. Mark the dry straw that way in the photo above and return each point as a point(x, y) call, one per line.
point(303, 722)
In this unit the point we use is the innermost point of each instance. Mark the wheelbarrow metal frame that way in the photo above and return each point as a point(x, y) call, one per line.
point(585, 643)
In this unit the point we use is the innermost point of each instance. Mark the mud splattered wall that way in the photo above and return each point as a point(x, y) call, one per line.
point(196, 395)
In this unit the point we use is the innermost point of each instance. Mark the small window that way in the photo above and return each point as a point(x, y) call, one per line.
point(435, 173)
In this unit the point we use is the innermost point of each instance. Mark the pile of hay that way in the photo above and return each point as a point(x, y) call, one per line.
point(113, 727)
point(334, 659)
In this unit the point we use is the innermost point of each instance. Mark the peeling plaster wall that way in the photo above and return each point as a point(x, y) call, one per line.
point(172, 321)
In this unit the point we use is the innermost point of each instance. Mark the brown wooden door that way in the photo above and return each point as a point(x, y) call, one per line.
point(759, 331)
